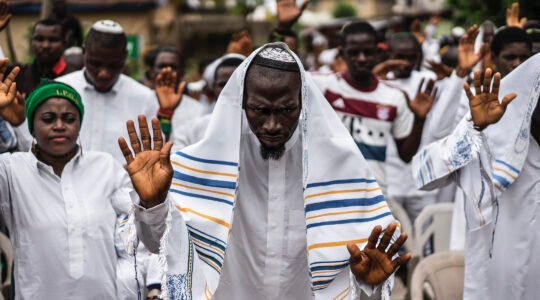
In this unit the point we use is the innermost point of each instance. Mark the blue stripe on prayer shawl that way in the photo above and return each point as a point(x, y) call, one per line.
point(343, 181)
point(509, 166)
point(202, 197)
point(371, 152)
point(197, 231)
point(204, 255)
point(332, 267)
point(503, 182)
point(362, 220)
point(208, 161)
point(330, 262)
point(209, 242)
point(344, 203)
point(206, 182)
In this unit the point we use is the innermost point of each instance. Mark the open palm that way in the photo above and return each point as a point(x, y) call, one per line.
point(423, 101)
point(288, 13)
point(150, 169)
point(485, 106)
point(374, 264)
point(169, 93)
point(8, 87)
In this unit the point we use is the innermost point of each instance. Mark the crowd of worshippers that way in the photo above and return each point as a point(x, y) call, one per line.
point(112, 188)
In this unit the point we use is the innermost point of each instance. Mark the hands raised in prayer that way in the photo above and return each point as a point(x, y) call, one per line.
point(169, 93)
point(441, 70)
point(416, 30)
point(382, 69)
point(467, 58)
point(8, 87)
point(5, 16)
point(150, 169)
point(241, 43)
point(423, 101)
point(288, 13)
point(374, 264)
point(485, 106)
point(512, 16)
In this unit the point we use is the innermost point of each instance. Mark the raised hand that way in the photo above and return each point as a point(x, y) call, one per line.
point(512, 16)
point(485, 106)
point(5, 16)
point(168, 92)
point(422, 102)
point(150, 169)
point(382, 69)
point(240, 43)
point(441, 70)
point(416, 30)
point(288, 13)
point(8, 87)
point(374, 264)
point(467, 58)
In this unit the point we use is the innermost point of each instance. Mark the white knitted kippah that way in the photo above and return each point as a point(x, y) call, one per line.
point(108, 26)
point(276, 56)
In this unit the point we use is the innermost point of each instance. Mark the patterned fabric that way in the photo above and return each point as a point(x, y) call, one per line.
point(341, 206)
point(484, 179)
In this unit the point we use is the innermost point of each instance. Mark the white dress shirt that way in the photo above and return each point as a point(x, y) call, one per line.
point(105, 114)
point(63, 228)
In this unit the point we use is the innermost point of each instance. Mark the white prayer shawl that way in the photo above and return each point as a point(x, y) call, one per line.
point(484, 175)
point(342, 199)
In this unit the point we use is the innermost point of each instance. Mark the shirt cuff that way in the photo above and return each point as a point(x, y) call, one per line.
point(154, 215)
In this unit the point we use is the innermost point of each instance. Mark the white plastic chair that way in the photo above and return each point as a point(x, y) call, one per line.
point(7, 251)
point(439, 276)
point(406, 225)
point(435, 221)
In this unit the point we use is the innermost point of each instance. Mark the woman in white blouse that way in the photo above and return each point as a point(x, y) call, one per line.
point(60, 204)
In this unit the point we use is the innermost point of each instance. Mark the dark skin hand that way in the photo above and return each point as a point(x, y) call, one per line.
point(5, 16)
point(288, 13)
point(168, 92)
point(374, 264)
point(485, 106)
point(467, 58)
point(150, 169)
point(420, 106)
point(11, 101)
point(441, 70)
point(382, 69)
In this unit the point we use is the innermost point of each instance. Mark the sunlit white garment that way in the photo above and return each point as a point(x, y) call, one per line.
point(62, 228)
point(190, 133)
point(400, 183)
point(187, 111)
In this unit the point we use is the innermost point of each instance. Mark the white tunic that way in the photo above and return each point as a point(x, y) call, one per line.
point(105, 114)
point(63, 228)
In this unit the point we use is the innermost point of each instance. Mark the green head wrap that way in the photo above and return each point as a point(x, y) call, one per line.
point(50, 90)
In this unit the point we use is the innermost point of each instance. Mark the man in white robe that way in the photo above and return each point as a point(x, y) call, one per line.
point(276, 157)
point(497, 168)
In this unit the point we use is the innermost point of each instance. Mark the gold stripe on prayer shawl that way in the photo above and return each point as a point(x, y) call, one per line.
point(203, 171)
point(207, 292)
point(204, 190)
point(208, 246)
point(505, 172)
point(340, 295)
point(335, 244)
point(360, 211)
point(211, 263)
point(213, 219)
point(343, 192)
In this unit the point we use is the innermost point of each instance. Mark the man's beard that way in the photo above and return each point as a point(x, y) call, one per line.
point(274, 153)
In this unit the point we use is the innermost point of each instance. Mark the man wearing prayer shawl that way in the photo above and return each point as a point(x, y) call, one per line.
point(497, 168)
point(276, 160)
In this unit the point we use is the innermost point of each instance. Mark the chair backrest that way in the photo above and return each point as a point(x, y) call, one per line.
point(406, 225)
point(439, 276)
point(7, 251)
point(435, 221)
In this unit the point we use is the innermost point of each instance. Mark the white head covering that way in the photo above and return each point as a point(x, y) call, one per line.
point(342, 199)
point(108, 26)
point(209, 73)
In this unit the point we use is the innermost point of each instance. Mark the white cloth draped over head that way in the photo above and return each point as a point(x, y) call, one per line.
point(485, 175)
point(342, 199)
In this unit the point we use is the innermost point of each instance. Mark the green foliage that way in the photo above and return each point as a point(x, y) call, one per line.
point(469, 12)
point(343, 9)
